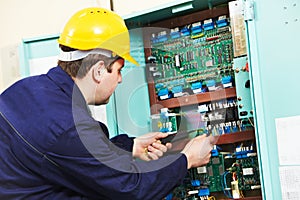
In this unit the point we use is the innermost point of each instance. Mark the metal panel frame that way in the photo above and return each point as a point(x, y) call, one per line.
point(273, 62)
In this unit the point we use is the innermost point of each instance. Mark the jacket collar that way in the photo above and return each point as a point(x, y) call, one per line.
point(66, 83)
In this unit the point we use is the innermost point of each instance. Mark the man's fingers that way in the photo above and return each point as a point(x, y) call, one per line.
point(161, 135)
point(159, 146)
point(152, 156)
point(155, 151)
point(169, 145)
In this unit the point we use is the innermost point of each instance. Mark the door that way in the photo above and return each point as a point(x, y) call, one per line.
point(274, 52)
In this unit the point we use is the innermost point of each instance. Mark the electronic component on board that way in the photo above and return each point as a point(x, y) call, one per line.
point(175, 33)
point(196, 87)
point(227, 81)
point(222, 21)
point(208, 24)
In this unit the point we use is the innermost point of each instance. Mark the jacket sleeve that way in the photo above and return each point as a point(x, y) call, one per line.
point(96, 170)
point(122, 141)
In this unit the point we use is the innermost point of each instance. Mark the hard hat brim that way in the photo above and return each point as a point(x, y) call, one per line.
point(129, 58)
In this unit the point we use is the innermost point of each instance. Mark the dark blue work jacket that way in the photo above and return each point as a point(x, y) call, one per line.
point(52, 148)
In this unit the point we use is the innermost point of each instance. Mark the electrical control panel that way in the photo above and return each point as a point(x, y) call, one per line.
point(220, 175)
point(198, 82)
point(192, 59)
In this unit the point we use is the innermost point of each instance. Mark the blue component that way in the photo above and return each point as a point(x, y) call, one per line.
point(214, 152)
point(210, 83)
point(195, 183)
point(164, 119)
point(175, 35)
point(203, 192)
point(159, 85)
point(221, 23)
point(154, 40)
point(234, 129)
point(185, 31)
point(163, 115)
point(164, 130)
point(226, 79)
point(208, 26)
point(204, 90)
point(238, 154)
point(196, 29)
point(243, 127)
point(162, 38)
point(230, 101)
point(177, 89)
point(221, 131)
point(227, 129)
point(163, 91)
point(243, 154)
point(196, 85)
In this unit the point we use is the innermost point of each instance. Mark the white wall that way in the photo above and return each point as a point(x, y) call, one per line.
point(34, 18)
point(28, 19)
point(125, 7)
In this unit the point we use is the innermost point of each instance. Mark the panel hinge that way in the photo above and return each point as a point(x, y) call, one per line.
point(248, 10)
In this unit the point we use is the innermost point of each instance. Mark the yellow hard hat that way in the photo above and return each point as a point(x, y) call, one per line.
point(94, 28)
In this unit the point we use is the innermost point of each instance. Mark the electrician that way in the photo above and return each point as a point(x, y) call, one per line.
point(52, 148)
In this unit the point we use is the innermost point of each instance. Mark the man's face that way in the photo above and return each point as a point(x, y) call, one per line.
point(109, 82)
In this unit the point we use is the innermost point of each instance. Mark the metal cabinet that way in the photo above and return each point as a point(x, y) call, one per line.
point(272, 43)
point(274, 72)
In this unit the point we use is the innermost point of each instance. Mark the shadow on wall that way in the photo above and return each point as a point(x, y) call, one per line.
point(9, 66)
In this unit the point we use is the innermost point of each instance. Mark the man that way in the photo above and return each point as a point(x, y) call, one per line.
point(52, 148)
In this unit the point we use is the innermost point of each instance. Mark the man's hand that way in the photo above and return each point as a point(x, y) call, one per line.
point(149, 147)
point(198, 150)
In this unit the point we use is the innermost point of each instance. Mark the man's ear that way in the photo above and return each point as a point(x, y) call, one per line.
point(97, 71)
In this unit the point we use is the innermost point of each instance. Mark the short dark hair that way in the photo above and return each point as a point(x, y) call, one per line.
point(79, 68)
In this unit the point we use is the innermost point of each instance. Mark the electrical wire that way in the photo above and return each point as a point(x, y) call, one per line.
point(224, 185)
point(241, 194)
point(252, 124)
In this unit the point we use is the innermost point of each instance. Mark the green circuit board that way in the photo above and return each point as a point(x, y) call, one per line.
point(193, 58)
point(248, 173)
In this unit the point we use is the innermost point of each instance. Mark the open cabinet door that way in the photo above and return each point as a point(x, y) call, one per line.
point(131, 96)
point(274, 60)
